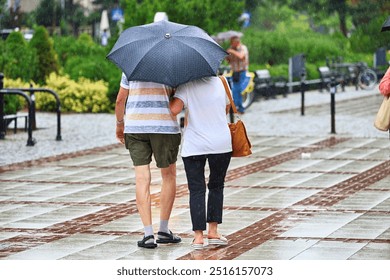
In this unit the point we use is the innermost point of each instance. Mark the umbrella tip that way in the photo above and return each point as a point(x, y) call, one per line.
point(167, 35)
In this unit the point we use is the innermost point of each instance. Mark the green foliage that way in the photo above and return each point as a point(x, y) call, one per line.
point(17, 60)
point(80, 96)
point(363, 41)
point(82, 57)
point(45, 8)
point(266, 47)
point(47, 58)
point(211, 15)
point(317, 47)
point(14, 103)
point(89, 82)
point(11, 104)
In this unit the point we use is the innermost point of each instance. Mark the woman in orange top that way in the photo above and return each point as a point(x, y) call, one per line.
point(384, 85)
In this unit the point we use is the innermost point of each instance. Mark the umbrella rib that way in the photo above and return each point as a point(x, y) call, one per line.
point(134, 42)
point(197, 50)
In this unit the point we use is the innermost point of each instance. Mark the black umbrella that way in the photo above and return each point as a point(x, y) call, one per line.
point(386, 25)
point(166, 52)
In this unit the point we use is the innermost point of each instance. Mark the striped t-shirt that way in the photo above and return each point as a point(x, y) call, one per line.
point(147, 108)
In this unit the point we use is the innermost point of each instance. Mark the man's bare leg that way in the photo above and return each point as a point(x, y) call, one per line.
point(142, 191)
point(168, 191)
point(167, 198)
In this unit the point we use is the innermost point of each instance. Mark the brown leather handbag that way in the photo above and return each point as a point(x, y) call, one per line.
point(240, 142)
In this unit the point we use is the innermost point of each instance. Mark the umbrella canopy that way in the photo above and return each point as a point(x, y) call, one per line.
point(166, 52)
point(386, 25)
point(227, 35)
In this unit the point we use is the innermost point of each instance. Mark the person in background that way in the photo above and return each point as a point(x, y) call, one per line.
point(206, 138)
point(239, 61)
point(104, 38)
point(147, 128)
point(384, 84)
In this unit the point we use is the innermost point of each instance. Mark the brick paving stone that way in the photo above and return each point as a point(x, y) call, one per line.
point(307, 195)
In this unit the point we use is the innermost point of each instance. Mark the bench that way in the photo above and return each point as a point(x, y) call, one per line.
point(263, 82)
point(327, 76)
point(14, 117)
point(268, 86)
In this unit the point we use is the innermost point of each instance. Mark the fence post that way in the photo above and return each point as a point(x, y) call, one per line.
point(333, 91)
point(33, 119)
point(2, 124)
point(303, 78)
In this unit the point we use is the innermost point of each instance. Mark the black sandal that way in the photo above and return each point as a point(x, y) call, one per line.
point(144, 244)
point(166, 238)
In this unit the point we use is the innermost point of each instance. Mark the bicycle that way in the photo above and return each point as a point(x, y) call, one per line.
point(366, 77)
point(358, 73)
point(248, 93)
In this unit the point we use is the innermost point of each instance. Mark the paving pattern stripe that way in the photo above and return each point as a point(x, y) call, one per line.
point(57, 203)
point(45, 160)
point(308, 212)
point(336, 239)
point(255, 168)
point(64, 182)
point(251, 236)
point(278, 159)
point(343, 190)
point(107, 215)
point(264, 230)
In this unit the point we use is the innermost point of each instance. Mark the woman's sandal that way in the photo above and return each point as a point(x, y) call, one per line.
point(196, 246)
point(218, 241)
point(145, 244)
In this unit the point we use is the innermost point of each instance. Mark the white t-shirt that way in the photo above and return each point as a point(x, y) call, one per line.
point(207, 131)
point(147, 108)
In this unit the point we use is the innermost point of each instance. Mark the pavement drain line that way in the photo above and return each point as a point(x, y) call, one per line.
point(281, 221)
point(264, 229)
point(36, 162)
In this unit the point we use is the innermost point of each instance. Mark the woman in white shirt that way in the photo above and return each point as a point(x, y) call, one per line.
point(206, 138)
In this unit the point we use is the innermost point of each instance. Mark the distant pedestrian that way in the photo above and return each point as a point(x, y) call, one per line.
point(239, 61)
point(384, 84)
point(104, 38)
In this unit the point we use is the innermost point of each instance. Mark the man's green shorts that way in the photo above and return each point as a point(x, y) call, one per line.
point(164, 148)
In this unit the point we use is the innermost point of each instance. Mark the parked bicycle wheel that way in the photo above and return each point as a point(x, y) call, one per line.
point(247, 98)
point(248, 94)
point(367, 79)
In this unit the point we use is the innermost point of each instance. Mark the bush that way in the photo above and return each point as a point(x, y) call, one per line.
point(83, 96)
point(14, 103)
point(84, 58)
point(47, 58)
point(266, 47)
point(362, 40)
point(18, 61)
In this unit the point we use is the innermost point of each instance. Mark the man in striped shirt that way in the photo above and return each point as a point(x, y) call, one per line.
point(147, 127)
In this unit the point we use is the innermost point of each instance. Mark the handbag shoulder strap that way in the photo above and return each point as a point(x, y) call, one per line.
point(223, 79)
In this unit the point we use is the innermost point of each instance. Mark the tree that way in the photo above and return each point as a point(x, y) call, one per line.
point(74, 16)
point(5, 15)
point(211, 15)
point(48, 13)
point(47, 58)
point(18, 60)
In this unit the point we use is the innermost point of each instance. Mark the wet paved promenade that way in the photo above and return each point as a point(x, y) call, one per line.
point(297, 197)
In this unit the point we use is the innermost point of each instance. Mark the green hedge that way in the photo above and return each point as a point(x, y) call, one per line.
point(80, 96)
